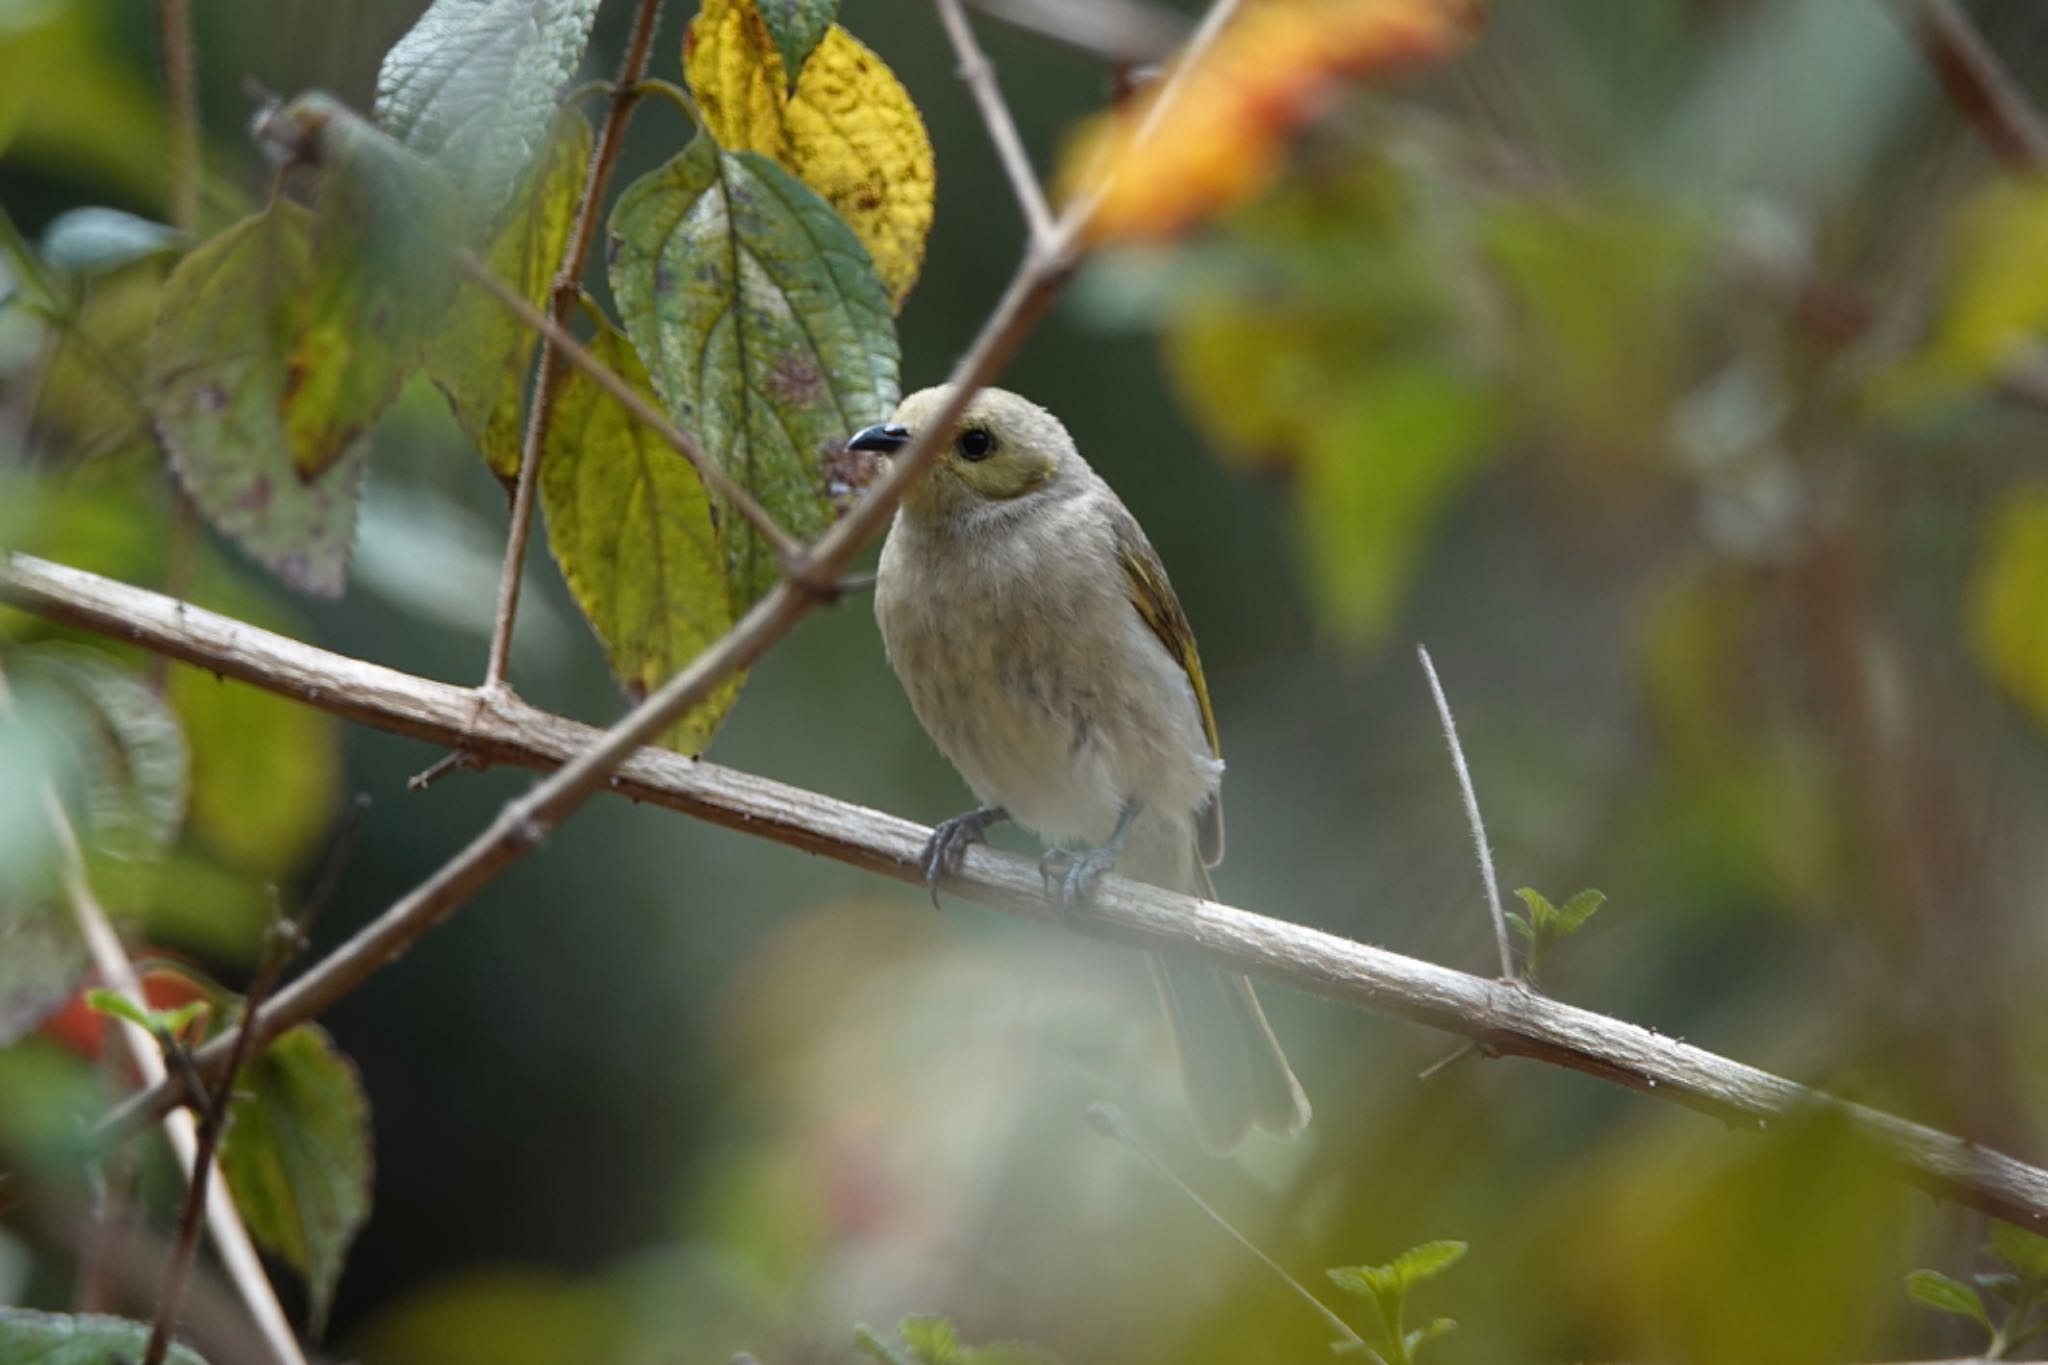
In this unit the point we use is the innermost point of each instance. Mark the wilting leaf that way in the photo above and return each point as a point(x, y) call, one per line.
point(631, 525)
point(473, 85)
point(297, 1156)
point(134, 765)
point(1270, 71)
point(2009, 601)
point(763, 327)
point(31, 1338)
point(846, 127)
point(218, 381)
point(93, 241)
point(797, 27)
point(1375, 476)
point(42, 960)
point(383, 223)
point(482, 356)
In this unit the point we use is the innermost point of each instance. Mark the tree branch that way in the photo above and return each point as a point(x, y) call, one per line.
point(568, 286)
point(1978, 84)
point(181, 90)
point(1503, 1018)
point(979, 73)
point(111, 961)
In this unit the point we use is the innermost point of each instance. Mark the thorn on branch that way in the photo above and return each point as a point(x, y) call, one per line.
point(440, 768)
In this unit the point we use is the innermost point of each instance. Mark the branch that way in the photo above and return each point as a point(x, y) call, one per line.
point(1479, 844)
point(1504, 1018)
point(181, 81)
point(110, 960)
point(1978, 84)
point(980, 75)
point(547, 383)
point(787, 547)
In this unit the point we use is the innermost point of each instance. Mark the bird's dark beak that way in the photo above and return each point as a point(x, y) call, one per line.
point(885, 440)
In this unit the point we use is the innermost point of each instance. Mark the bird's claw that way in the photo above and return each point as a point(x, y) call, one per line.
point(1070, 878)
point(947, 848)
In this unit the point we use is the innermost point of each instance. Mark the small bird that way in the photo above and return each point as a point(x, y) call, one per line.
point(1045, 653)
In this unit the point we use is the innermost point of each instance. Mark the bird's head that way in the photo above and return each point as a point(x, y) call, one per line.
point(1003, 447)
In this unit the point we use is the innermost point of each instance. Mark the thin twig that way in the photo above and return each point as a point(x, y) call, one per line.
point(110, 960)
point(1978, 83)
point(1119, 32)
point(1108, 1120)
point(1484, 851)
point(979, 73)
point(577, 354)
point(287, 936)
point(1504, 1021)
point(181, 88)
point(568, 286)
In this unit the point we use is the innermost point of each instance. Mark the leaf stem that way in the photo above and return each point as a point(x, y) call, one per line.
point(568, 286)
point(1472, 816)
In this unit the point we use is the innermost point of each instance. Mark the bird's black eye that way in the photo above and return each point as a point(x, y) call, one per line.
point(975, 444)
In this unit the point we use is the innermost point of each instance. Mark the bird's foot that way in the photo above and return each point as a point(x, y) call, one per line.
point(1070, 878)
point(945, 850)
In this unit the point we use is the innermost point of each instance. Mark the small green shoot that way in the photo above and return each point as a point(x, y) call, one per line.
point(2019, 1289)
point(929, 1339)
point(171, 1023)
point(1387, 1286)
point(1546, 924)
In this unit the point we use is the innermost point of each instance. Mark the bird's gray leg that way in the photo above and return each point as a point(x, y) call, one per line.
point(949, 844)
point(1071, 878)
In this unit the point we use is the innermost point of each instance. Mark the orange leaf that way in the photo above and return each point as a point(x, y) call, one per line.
point(1276, 66)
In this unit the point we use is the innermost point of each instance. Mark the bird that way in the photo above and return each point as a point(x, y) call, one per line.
point(1042, 647)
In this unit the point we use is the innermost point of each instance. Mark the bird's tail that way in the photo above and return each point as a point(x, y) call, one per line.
point(1231, 1065)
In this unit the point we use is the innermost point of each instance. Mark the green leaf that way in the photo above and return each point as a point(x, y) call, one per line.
point(1520, 924)
point(2008, 600)
point(764, 327)
point(2026, 1252)
point(297, 1156)
point(42, 960)
point(156, 1022)
point(1939, 1292)
point(796, 26)
point(932, 1339)
point(482, 357)
point(1375, 477)
point(95, 241)
point(266, 771)
point(1572, 916)
point(31, 1338)
point(1542, 914)
point(217, 381)
point(631, 525)
point(1424, 1262)
point(1422, 1336)
point(135, 765)
point(383, 223)
point(1366, 1281)
point(872, 1346)
point(1997, 298)
point(473, 86)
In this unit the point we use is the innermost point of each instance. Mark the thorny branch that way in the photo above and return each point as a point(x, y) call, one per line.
point(1503, 1018)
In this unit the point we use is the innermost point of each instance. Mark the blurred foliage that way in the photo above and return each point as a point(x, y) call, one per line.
point(1673, 368)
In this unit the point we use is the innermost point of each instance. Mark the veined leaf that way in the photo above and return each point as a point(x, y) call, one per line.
point(31, 1338)
point(217, 380)
point(297, 1156)
point(482, 356)
point(472, 86)
point(844, 125)
point(1426, 1261)
point(631, 525)
point(797, 26)
point(383, 223)
point(135, 766)
point(42, 960)
point(763, 327)
point(1947, 1295)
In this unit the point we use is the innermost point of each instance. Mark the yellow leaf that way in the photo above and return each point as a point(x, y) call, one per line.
point(847, 128)
point(2009, 602)
point(1274, 68)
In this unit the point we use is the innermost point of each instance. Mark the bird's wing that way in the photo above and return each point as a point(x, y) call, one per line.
point(1152, 595)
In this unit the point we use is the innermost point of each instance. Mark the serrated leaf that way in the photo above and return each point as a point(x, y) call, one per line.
point(1366, 1281)
point(95, 241)
point(845, 126)
point(631, 525)
point(482, 356)
point(42, 960)
point(297, 1156)
point(217, 382)
point(31, 1338)
point(932, 1339)
point(797, 26)
point(383, 223)
point(869, 1344)
point(1542, 914)
point(763, 327)
point(1422, 1336)
point(1426, 1261)
point(1939, 1292)
point(135, 767)
point(472, 86)
point(1573, 914)
point(1521, 925)
point(2026, 1252)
